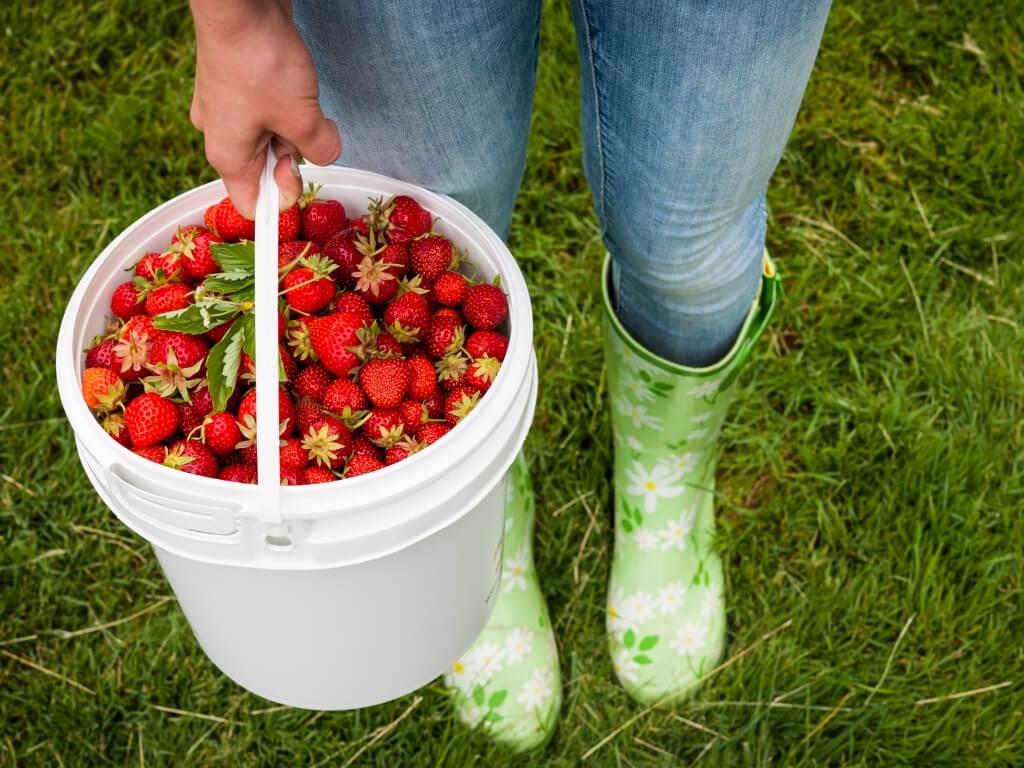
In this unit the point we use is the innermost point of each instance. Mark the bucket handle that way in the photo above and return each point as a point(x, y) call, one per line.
point(267, 434)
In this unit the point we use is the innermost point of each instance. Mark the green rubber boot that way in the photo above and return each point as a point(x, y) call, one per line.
point(666, 613)
point(508, 683)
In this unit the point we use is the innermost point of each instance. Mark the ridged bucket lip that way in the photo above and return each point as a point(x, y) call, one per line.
point(334, 499)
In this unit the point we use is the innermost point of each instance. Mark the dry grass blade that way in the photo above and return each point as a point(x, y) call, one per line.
point(964, 694)
point(47, 671)
point(383, 731)
point(196, 715)
point(64, 634)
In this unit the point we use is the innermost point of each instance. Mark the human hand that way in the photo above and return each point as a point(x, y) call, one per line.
point(256, 83)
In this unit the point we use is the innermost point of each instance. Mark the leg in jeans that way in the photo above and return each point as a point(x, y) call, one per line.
point(687, 108)
point(440, 95)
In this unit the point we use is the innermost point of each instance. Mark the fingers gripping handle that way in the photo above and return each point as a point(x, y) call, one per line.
point(267, 415)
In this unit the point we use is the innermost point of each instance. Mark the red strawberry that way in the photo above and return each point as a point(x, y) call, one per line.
point(127, 301)
point(202, 401)
point(384, 381)
point(403, 449)
point(193, 413)
point(327, 442)
point(445, 336)
point(102, 389)
point(343, 250)
point(312, 382)
point(113, 425)
point(231, 225)
point(422, 379)
point(101, 354)
point(187, 349)
point(291, 368)
point(388, 346)
point(291, 477)
point(189, 230)
point(221, 433)
point(315, 474)
point(306, 412)
point(247, 413)
point(168, 298)
point(289, 252)
point(331, 336)
point(154, 267)
point(361, 446)
point(350, 301)
point(299, 342)
point(321, 219)
point(459, 404)
point(384, 427)
point(344, 393)
point(289, 221)
point(485, 306)
point(413, 414)
point(291, 454)
point(239, 473)
point(210, 218)
point(432, 431)
point(131, 351)
point(435, 404)
point(482, 371)
point(308, 290)
point(156, 453)
point(430, 257)
point(402, 218)
point(197, 254)
point(375, 280)
point(362, 465)
point(487, 344)
point(451, 370)
point(218, 332)
point(450, 288)
point(150, 419)
point(408, 317)
point(193, 457)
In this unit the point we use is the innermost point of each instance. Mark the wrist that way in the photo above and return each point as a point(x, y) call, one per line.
point(231, 18)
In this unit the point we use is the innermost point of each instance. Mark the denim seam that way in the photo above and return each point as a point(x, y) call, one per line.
point(598, 120)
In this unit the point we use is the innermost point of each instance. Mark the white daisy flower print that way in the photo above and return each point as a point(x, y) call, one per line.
point(640, 608)
point(633, 443)
point(464, 673)
point(518, 644)
point(671, 597)
point(637, 414)
point(673, 536)
point(698, 434)
point(513, 576)
point(625, 667)
point(646, 540)
point(702, 418)
point(710, 602)
point(536, 690)
point(618, 612)
point(705, 389)
point(489, 659)
point(680, 462)
point(653, 485)
point(689, 638)
point(639, 389)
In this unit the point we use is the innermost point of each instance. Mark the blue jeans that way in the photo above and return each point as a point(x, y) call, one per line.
point(687, 105)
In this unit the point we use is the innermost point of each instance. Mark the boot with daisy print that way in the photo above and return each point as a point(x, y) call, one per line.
point(666, 613)
point(508, 682)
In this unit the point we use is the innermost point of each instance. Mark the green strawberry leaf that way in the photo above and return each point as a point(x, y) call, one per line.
point(647, 643)
point(222, 365)
point(235, 257)
point(228, 282)
point(497, 698)
point(478, 695)
point(248, 323)
point(186, 320)
point(641, 659)
point(629, 638)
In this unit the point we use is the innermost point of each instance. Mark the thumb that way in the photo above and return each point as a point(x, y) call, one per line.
point(320, 143)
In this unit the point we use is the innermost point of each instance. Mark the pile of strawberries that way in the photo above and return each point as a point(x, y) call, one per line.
point(385, 343)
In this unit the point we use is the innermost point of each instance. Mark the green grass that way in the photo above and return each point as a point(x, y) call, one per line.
point(871, 482)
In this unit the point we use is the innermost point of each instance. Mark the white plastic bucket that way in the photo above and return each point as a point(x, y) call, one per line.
point(332, 596)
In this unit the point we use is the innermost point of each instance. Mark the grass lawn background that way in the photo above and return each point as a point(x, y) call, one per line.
point(872, 480)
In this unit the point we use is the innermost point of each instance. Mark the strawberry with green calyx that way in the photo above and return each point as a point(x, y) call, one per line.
point(102, 389)
point(408, 317)
point(230, 225)
point(321, 219)
point(193, 457)
point(299, 340)
point(247, 415)
point(451, 370)
point(220, 433)
point(435, 404)
point(171, 379)
point(349, 301)
point(288, 254)
point(487, 344)
point(306, 412)
point(413, 414)
point(170, 297)
point(485, 306)
point(113, 424)
point(460, 403)
point(444, 337)
point(309, 288)
point(150, 419)
point(399, 218)
point(131, 355)
point(127, 301)
point(375, 280)
point(347, 249)
point(196, 251)
point(482, 372)
point(292, 454)
point(327, 442)
point(333, 336)
point(160, 267)
point(361, 446)
point(342, 394)
point(154, 453)
point(403, 449)
point(384, 428)
point(384, 381)
point(188, 350)
point(291, 477)
point(101, 353)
